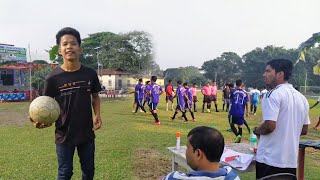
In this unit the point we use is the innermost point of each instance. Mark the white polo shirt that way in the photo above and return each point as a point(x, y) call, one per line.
point(290, 109)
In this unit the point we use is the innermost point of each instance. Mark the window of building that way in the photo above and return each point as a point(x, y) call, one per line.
point(110, 83)
point(109, 75)
point(119, 83)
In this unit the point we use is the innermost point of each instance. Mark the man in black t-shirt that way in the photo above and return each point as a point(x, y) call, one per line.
point(75, 87)
point(226, 97)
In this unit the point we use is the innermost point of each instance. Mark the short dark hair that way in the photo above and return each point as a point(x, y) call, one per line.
point(185, 84)
point(68, 31)
point(154, 78)
point(264, 87)
point(194, 84)
point(147, 82)
point(170, 80)
point(231, 85)
point(179, 82)
point(284, 65)
point(140, 80)
point(238, 82)
point(209, 140)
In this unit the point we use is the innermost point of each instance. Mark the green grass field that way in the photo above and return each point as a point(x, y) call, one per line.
point(128, 146)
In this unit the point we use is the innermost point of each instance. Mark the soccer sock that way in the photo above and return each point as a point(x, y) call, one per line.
point(223, 106)
point(184, 115)
point(246, 124)
point(194, 107)
point(240, 131)
point(254, 109)
point(229, 118)
point(142, 109)
point(156, 117)
point(174, 115)
point(228, 106)
point(216, 107)
point(208, 106)
point(153, 114)
point(192, 115)
point(251, 108)
point(203, 107)
point(137, 108)
point(234, 130)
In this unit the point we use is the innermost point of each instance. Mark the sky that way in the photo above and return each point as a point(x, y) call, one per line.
point(184, 32)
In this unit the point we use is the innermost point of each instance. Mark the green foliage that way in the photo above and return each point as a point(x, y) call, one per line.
point(189, 74)
point(131, 51)
point(307, 45)
point(226, 68)
point(39, 62)
point(38, 76)
point(250, 67)
point(54, 52)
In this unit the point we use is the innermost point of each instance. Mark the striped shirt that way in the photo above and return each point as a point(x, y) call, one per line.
point(226, 173)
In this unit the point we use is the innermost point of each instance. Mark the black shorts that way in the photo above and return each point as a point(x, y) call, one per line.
point(213, 97)
point(169, 98)
point(263, 170)
point(206, 99)
point(237, 120)
point(195, 99)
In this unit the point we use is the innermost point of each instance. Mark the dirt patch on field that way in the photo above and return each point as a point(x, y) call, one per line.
point(13, 117)
point(150, 164)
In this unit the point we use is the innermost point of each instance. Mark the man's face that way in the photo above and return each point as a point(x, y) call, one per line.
point(214, 83)
point(69, 48)
point(208, 84)
point(191, 156)
point(270, 76)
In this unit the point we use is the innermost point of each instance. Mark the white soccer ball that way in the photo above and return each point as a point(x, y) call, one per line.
point(44, 109)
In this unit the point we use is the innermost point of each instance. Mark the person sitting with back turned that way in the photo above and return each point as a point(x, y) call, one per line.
point(205, 146)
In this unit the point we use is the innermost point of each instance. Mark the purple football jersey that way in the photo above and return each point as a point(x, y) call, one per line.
point(155, 92)
point(239, 99)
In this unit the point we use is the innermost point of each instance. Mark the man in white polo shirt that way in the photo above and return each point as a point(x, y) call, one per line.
point(285, 113)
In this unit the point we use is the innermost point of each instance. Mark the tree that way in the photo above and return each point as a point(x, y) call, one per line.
point(305, 46)
point(226, 68)
point(255, 63)
point(131, 51)
point(38, 76)
point(189, 74)
point(39, 62)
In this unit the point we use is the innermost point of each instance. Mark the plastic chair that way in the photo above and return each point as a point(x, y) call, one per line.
point(280, 176)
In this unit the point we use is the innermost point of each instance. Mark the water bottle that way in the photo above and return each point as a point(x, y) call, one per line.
point(178, 141)
point(253, 142)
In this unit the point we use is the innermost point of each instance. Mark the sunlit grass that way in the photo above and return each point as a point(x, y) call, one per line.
point(29, 153)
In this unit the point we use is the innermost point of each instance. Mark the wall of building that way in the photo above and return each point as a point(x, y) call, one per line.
point(127, 81)
point(108, 81)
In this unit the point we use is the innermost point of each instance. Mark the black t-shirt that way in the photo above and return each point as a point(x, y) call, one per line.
point(226, 93)
point(73, 90)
